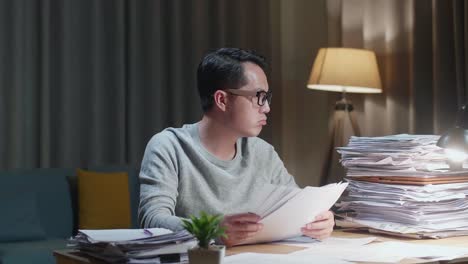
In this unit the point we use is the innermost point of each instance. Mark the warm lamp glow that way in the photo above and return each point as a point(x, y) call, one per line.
point(455, 140)
point(345, 70)
point(455, 155)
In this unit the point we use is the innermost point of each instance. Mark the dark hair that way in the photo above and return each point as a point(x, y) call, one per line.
point(222, 69)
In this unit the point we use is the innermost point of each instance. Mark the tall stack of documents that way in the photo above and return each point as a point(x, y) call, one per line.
point(401, 184)
point(154, 245)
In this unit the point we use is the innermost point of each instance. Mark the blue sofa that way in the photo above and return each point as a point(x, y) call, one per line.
point(39, 211)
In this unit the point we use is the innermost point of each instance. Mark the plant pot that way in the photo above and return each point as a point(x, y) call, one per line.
point(213, 255)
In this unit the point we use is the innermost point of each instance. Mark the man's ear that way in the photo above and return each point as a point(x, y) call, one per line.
point(220, 100)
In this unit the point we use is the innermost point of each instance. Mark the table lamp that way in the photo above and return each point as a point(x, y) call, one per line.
point(343, 70)
point(455, 140)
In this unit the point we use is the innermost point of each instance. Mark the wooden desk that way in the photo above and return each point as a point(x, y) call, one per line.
point(74, 257)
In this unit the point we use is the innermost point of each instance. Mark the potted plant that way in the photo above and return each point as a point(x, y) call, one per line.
point(205, 228)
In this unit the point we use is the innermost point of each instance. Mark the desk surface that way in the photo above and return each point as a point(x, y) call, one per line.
point(74, 257)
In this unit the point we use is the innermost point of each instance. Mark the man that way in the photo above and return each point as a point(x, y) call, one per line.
point(217, 164)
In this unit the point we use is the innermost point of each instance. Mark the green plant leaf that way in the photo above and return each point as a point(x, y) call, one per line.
point(205, 228)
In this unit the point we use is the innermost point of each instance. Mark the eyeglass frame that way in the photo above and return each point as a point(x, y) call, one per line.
point(238, 92)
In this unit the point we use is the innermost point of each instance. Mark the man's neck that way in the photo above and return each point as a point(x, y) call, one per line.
point(217, 138)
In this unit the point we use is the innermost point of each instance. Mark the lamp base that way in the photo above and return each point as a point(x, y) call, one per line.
point(343, 125)
point(344, 105)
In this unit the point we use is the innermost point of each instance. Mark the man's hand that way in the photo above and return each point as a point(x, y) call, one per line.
point(321, 228)
point(239, 227)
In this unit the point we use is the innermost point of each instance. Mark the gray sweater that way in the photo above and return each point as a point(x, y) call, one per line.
point(179, 177)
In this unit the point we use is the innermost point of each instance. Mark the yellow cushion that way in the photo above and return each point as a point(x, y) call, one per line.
point(103, 200)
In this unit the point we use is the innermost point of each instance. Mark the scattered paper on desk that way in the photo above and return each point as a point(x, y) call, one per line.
point(385, 252)
point(329, 242)
point(350, 253)
point(410, 250)
point(301, 209)
point(258, 258)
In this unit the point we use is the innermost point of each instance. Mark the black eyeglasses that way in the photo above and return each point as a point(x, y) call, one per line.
point(262, 96)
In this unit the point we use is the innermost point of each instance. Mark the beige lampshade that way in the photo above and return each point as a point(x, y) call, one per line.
point(345, 70)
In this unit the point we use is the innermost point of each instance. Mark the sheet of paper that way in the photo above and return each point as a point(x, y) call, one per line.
point(307, 242)
point(287, 221)
point(271, 197)
point(351, 253)
point(410, 250)
point(257, 258)
point(385, 252)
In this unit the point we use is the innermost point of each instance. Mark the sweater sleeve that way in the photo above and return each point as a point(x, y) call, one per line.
point(158, 186)
point(279, 174)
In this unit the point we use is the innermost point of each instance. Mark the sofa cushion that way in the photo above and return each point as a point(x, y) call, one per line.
point(20, 219)
point(53, 197)
point(103, 200)
point(133, 185)
point(37, 252)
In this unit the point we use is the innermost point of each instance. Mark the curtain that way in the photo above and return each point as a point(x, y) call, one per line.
point(420, 47)
point(89, 82)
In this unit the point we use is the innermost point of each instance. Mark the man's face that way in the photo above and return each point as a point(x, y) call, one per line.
point(246, 116)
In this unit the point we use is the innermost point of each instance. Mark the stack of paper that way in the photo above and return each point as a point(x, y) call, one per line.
point(134, 245)
point(389, 188)
point(419, 211)
point(402, 155)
